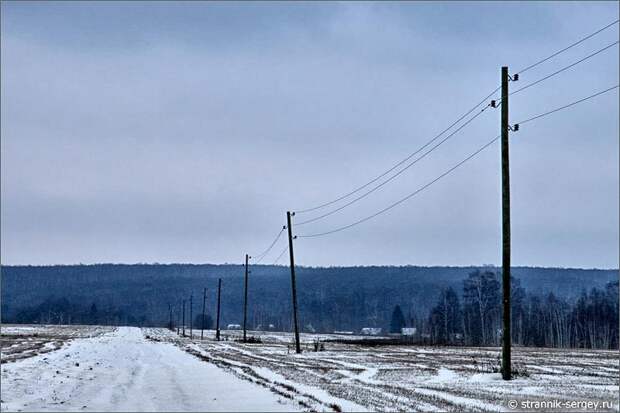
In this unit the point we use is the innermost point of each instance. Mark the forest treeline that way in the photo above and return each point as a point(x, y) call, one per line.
point(551, 306)
point(590, 321)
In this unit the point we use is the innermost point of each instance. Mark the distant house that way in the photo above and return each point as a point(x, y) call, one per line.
point(456, 338)
point(371, 331)
point(408, 331)
point(233, 327)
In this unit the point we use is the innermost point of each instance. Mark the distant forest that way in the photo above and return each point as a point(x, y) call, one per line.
point(551, 307)
point(590, 321)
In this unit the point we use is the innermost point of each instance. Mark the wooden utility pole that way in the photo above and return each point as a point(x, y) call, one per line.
point(191, 320)
point(179, 320)
point(245, 300)
point(217, 323)
point(293, 284)
point(506, 333)
point(183, 318)
point(169, 317)
point(204, 302)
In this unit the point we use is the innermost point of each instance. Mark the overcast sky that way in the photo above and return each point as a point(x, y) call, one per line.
point(183, 132)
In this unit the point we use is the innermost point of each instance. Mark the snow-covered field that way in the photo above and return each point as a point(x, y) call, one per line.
point(129, 369)
point(19, 342)
point(409, 378)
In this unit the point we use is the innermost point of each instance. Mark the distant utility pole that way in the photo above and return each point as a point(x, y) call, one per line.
point(245, 300)
point(169, 316)
point(179, 320)
point(217, 324)
point(191, 320)
point(293, 285)
point(204, 302)
point(183, 318)
point(506, 334)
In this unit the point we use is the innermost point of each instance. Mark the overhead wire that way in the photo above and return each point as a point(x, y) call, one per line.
point(567, 47)
point(447, 172)
point(564, 68)
point(280, 256)
point(340, 198)
point(262, 255)
point(569, 105)
point(367, 193)
point(400, 201)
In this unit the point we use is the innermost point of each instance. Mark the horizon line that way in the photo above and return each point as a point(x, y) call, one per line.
point(309, 266)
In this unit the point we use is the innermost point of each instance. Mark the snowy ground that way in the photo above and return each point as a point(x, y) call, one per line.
point(19, 342)
point(127, 369)
point(123, 371)
point(410, 378)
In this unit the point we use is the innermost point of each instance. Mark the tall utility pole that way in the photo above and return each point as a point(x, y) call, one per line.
point(191, 320)
point(293, 285)
point(245, 300)
point(183, 318)
point(204, 302)
point(217, 323)
point(506, 333)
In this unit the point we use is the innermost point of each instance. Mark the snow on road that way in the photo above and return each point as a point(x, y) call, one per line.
point(122, 371)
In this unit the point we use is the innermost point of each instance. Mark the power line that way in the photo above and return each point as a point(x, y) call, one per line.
point(262, 255)
point(565, 68)
point(417, 191)
point(567, 47)
point(365, 194)
point(569, 105)
point(301, 211)
point(280, 256)
point(340, 198)
point(400, 201)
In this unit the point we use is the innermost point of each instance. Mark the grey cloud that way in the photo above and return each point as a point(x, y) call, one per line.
point(191, 145)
